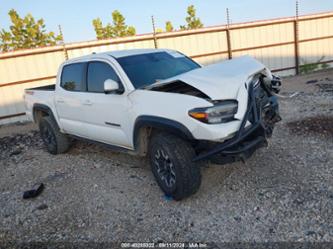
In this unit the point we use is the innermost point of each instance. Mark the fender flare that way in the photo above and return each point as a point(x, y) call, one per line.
point(44, 108)
point(163, 124)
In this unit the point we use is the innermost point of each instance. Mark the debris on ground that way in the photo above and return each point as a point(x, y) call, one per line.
point(42, 207)
point(321, 125)
point(35, 191)
point(326, 87)
point(311, 81)
point(16, 144)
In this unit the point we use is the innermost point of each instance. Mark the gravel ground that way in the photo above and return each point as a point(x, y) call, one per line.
point(283, 193)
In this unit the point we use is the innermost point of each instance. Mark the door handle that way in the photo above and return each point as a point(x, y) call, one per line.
point(60, 101)
point(87, 102)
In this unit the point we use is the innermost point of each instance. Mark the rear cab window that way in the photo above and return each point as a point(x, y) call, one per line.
point(73, 77)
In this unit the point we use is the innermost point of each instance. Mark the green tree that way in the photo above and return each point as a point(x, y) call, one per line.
point(99, 30)
point(168, 26)
point(118, 28)
point(192, 22)
point(26, 33)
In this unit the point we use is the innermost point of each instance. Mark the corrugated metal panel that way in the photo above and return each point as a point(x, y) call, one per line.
point(196, 44)
point(315, 28)
point(260, 36)
point(313, 51)
point(29, 67)
point(11, 101)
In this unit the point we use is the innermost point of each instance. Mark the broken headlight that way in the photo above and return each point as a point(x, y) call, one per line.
point(222, 112)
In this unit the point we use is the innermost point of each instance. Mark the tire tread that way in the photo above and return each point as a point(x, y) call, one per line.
point(182, 153)
point(63, 142)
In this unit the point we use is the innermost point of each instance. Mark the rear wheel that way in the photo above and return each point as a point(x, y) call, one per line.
point(172, 166)
point(54, 140)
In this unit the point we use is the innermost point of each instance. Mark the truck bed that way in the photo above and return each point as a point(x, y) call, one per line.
point(43, 95)
point(43, 88)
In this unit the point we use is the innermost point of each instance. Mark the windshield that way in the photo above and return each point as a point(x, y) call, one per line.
point(146, 69)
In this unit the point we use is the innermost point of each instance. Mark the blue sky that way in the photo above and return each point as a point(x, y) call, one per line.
point(75, 16)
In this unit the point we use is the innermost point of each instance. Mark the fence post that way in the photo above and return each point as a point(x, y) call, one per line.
point(296, 40)
point(63, 43)
point(228, 37)
point(154, 32)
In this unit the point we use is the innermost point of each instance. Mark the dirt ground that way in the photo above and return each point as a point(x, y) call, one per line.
point(282, 193)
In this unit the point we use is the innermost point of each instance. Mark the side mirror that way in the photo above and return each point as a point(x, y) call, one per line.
point(111, 86)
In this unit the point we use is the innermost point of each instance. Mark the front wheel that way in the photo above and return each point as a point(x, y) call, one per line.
point(171, 163)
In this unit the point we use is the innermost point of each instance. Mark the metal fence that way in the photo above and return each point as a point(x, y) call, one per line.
point(281, 44)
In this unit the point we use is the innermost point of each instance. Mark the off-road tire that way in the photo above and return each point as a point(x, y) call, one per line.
point(57, 142)
point(180, 153)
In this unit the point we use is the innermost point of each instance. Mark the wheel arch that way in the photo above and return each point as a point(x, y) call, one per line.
point(41, 110)
point(145, 125)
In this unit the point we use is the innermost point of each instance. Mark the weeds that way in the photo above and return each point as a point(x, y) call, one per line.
point(311, 67)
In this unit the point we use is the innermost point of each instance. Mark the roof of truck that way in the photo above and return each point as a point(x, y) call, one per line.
point(129, 52)
point(118, 54)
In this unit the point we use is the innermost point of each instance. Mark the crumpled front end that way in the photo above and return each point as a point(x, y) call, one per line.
point(261, 115)
point(218, 81)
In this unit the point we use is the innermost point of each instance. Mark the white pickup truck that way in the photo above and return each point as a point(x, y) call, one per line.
point(160, 103)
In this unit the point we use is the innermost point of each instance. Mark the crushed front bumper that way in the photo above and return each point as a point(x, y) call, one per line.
point(262, 113)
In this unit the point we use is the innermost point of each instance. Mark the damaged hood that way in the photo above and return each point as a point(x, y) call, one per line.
point(220, 80)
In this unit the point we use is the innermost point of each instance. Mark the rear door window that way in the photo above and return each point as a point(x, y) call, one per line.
point(98, 72)
point(73, 77)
